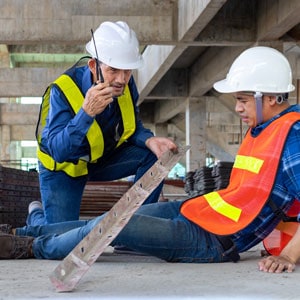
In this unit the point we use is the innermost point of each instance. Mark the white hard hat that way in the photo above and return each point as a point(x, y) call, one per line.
point(117, 46)
point(258, 69)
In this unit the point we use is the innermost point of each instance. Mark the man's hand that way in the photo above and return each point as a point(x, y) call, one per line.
point(287, 259)
point(159, 145)
point(276, 264)
point(97, 98)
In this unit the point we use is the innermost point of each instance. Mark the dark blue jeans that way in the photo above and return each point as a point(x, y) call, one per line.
point(61, 194)
point(157, 229)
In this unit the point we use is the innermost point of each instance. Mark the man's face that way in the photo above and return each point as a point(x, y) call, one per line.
point(246, 108)
point(116, 77)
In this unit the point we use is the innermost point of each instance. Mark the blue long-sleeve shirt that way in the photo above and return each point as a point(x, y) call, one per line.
point(285, 190)
point(64, 136)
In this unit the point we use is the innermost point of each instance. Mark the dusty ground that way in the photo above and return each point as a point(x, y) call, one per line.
point(144, 277)
point(131, 277)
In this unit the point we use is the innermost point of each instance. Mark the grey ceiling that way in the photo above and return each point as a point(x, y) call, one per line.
point(187, 44)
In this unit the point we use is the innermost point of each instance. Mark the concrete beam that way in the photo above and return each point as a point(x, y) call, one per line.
point(215, 63)
point(21, 82)
point(217, 151)
point(173, 85)
point(234, 24)
point(220, 139)
point(34, 21)
point(276, 17)
point(22, 133)
point(192, 15)
point(211, 67)
point(219, 61)
point(19, 114)
point(167, 109)
point(19, 121)
point(158, 59)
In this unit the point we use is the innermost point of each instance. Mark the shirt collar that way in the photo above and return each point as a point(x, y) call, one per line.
point(86, 80)
point(258, 129)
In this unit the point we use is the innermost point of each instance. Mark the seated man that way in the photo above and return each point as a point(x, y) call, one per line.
point(217, 226)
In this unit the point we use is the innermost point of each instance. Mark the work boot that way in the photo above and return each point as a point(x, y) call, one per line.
point(6, 228)
point(13, 246)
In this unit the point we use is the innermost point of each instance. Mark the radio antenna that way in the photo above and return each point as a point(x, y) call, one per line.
point(98, 68)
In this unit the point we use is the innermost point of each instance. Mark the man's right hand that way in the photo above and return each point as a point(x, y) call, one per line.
point(97, 98)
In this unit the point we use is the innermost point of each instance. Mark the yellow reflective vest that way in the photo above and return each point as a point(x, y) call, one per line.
point(229, 210)
point(94, 134)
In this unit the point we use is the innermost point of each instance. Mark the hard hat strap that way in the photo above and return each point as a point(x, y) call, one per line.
point(258, 102)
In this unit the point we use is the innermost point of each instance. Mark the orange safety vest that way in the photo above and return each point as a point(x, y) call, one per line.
point(231, 209)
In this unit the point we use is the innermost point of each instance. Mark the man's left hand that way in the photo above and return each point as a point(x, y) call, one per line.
point(276, 264)
point(159, 145)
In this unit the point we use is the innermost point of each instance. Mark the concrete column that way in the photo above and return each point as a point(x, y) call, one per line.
point(4, 56)
point(5, 142)
point(161, 130)
point(195, 133)
point(4, 63)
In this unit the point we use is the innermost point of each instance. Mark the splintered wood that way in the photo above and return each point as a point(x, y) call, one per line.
point(69, 272)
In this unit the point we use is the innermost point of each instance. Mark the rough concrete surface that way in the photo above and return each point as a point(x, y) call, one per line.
point(144, 277)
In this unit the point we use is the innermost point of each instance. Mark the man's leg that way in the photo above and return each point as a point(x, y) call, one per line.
point(61, 198)
point(125, 161)
point(48, 229)
point(58, 246)
point(165, 210)
point(53, 241)
point(176, 240)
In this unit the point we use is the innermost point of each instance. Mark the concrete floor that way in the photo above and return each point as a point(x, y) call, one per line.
point(144, 277)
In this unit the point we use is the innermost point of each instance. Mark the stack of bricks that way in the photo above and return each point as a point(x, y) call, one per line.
point(99, 197)
point(17, 189)
point(205, 179)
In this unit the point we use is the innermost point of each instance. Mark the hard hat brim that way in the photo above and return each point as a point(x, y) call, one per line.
point(90, 48)
point(223, 87)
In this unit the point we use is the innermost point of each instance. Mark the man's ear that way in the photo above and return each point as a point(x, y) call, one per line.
point(92, 65)
point(272, 100)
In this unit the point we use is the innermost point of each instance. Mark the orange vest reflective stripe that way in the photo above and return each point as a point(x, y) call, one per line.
point(251, 181)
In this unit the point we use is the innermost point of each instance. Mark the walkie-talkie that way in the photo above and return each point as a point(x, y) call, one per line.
point(98, 68)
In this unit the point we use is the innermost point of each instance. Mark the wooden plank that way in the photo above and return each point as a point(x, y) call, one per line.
point(69, 272)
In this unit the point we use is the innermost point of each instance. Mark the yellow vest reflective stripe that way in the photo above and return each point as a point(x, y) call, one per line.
point(73, 170)
point(94, 134)
point(75, 98)
point(218, 204)
point(128, 115)
point(252, 164)
point(229, 210)
point(214, 199)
